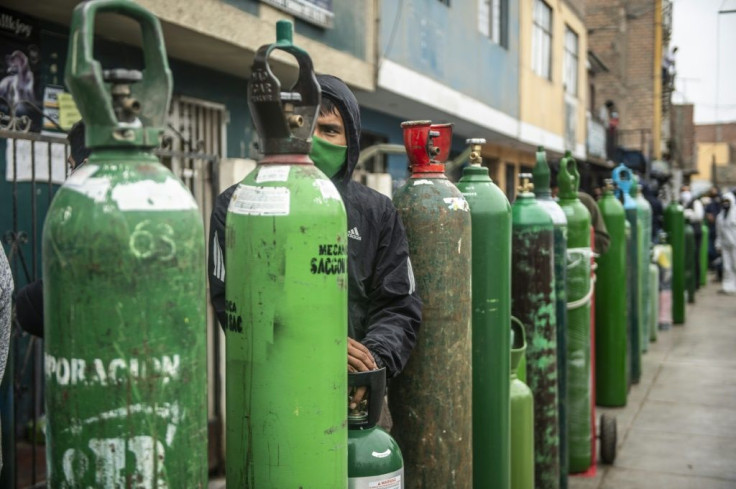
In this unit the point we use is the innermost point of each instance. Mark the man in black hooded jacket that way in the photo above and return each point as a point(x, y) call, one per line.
point(384, 310)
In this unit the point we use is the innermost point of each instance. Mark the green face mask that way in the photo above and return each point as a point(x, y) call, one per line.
point(327, 157)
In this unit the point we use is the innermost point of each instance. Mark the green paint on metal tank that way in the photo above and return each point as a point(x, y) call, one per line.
point(287, 242)
point(431, 400)
point(610, 310)
point(541, 178)
point(522, 417)
point(124, 307)
point(579, 292)
point(533, 303)
point(373, 451)
point(644, 215)
point(674, 224)
point(490, 214)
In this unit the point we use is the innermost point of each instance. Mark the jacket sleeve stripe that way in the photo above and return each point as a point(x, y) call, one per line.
point(219, 270)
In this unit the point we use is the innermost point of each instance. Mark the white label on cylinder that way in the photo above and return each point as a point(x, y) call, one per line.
point(260, 201)
point(394, 480)
point(327, 189)
point(147, 195)
point(275, 173)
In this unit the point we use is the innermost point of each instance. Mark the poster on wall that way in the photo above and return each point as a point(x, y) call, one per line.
point(20, 61)
point(318, 12)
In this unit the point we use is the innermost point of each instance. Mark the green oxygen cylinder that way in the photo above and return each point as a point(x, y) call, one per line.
point(579, 293)
point(644, 215)
point(690, 257)
point(623, 178)
point(124, 285)
point(431, 401)
point(674, 225)
point(654, 303)
point(541, 180)
point(533, 303)
point(522, 417)
point(286, 291)
point(611, 385)
point(490, 214)
point(703, 256)
point(374, 458)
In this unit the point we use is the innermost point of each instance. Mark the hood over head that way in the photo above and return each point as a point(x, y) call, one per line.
point(339, 93)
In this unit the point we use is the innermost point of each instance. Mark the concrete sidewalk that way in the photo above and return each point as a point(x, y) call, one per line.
point(678, 430)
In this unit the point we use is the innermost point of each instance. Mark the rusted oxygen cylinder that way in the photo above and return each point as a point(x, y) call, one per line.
point(533, 303)
point(644, 215)
point(541, 180)
point(703, 256)
point(522, 417)
point(654, 303)
point(579, 288)
point(690, 258)
point(674, 224)
point(286, 290)
point(611, 382)
point(623, 178)
point(431, 401)
point(124, 285)
point(490, 213)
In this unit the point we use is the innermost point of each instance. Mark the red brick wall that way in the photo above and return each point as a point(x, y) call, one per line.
point(621, 34)
point(708, 133)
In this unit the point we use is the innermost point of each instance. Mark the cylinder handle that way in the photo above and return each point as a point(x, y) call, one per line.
point(107, 122)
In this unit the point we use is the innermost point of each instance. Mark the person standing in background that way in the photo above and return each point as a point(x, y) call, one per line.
point(726, 242)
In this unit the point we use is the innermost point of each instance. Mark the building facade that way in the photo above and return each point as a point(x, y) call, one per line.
point(631, 38)
point(716, 153)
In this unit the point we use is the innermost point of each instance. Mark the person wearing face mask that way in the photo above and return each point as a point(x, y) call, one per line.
point(384, 310)
point(726, 242)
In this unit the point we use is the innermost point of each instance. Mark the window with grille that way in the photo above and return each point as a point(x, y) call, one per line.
point(542, 39)
point(493, 20)
point(570, 73)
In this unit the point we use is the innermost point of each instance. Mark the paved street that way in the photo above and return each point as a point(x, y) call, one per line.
point(678, 430)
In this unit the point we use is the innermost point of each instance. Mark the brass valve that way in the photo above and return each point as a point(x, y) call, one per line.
point(475, 157)
point(526, 184)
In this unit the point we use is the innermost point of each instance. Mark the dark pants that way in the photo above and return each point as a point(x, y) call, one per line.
point(698, 230)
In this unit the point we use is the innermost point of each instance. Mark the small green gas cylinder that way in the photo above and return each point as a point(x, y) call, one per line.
point(124, 285)
point(522, 417)
point(533, 303)
point(543, 194)
point(623, 178)
point(610, 307)
point(374, 457)
point(490, 213)
point(579, 293)
point(674, 224)
point(286, 290)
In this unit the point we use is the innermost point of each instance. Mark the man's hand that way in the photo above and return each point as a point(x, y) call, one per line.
point(360, 359)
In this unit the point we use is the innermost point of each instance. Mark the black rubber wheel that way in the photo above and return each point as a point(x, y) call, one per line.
point(608, 438)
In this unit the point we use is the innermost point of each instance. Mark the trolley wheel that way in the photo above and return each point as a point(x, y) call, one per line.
point(608, 438)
